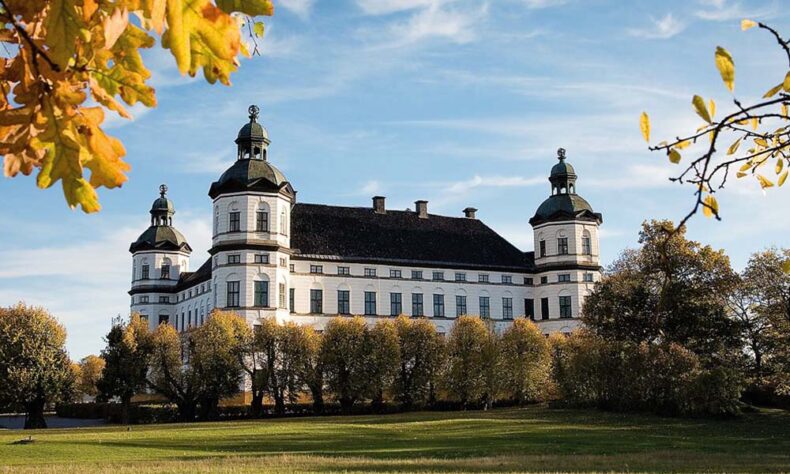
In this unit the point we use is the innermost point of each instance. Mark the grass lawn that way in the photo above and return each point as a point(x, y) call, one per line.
point(502, 440)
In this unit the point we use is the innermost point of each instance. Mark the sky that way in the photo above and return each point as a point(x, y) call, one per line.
point(458, 102)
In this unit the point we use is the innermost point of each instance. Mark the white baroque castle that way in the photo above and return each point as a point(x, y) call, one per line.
point(274, 257)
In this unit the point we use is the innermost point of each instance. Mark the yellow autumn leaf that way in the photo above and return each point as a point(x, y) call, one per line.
point(674, 156)
point(734, 147)
point(644, 125)
point(699, 106)
point(710, 207)
point(258, 29)
point(248, 7)
point(740, 174)
point(63, 25)
point(747, 24)
point(772, 92)
point(114, 26)
point(683, 145)
point(726, 67)
point(755, 123)
point(786, 266)
point(712, 108)
point(786, 83)
point(761, 142)
point(779, 165)
point(782, 178)
point(783, 109)
point(764, 182)
point(154, 11)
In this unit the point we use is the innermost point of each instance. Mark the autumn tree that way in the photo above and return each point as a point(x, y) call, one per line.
point(90, 371)
point(312, 372)
point(171, 372)
point(382, 360)
point(748, 140)
point(34, 367)
point(294, 351)
point(215, 352)
point(526, 361)
point(344, 349)
point(464, 378)
point(421, 354)
point(126, 358)
point(69, 62)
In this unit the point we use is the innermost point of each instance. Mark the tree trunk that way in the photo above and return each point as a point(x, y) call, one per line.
point(186, 410)
point(378, 401)
point(34, 416)
point(318, 399)
point(256, 406)
point(125, 402)
point(279, 402)
point(346, 403)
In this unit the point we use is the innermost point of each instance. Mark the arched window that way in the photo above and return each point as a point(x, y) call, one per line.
point(283, 224)
point(262, 218)
point(165, 270)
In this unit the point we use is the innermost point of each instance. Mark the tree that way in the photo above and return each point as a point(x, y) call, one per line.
point(293, 351)
point(216, 348)
point(172, 373)
point(34, 367)
point(62, 53)
point(312, 372)
point(526, 361)
point(126, 358)
point(756, 137)
point(421, 355)
point(252, 363)
point(465, 360)
point(90, 371)
point(382, 360)
point(344, 349)
point(670, 290)
point(491, 367)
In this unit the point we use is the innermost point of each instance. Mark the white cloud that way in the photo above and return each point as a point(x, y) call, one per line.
point(537, 4)
point(477, 181)
point(370, 188)
point(301, 8)
point(722, 10)
point(661, 28)
point(384, 7)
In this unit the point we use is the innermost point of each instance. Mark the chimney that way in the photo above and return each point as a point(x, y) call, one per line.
point(378, 205)
point(469, 212)
point(422, 209)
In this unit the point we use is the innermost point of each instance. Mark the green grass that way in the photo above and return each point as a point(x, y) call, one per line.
point(503, 440)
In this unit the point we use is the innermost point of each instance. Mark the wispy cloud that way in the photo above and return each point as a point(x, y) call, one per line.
point(385, 7)
point(724, 10)
point(300, 8)
point(662, 28)
point(538, 4)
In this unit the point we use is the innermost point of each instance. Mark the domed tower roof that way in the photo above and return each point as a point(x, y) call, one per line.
point(564, 203)
point(251, 171)
point(161, 235)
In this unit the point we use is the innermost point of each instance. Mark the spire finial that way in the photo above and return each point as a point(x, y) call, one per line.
point(254, 111)
point(561, 154)
point(162, 190)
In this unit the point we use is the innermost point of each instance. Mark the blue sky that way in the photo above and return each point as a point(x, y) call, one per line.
point(460, 102)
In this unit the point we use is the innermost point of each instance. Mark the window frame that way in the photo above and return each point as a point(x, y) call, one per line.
point(344, 302)
point(316, 301)
point(417, 305)
point(370, 303)
point(396, 301)
point(460, 302)
point(233, 294)
point(562, 246)
point(261, 221)
point(234, 221)
point(438, 305)
point(566, 308)
point(485, 309)
point(507, 308)
point(261, 292)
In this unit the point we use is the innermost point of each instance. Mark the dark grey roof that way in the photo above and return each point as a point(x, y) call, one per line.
point(252, 131)
point(189, 279)
point(360, 234)
point(160, 237)
point(562, 168)
point(249, 175)
point(562, 207)
point(163, 204)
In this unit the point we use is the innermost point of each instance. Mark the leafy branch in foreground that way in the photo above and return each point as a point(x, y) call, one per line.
point(757, 137)
point(64, 62)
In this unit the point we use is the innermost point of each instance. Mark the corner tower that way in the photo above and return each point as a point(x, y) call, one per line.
point(567, 259)
point(251, 244)
point(159, 256)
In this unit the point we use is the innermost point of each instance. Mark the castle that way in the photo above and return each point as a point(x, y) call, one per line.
point(273, 257)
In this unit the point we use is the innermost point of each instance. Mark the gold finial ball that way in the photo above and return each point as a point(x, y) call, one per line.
point(254, 111)
point(163, 190)
point(561, 154)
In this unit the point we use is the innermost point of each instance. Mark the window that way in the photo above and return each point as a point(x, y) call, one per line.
point(586, 246)
point(460, 277)
point(507, 308)
point(562, 246)
point(262, 258)
point(544, 280)
point(396, 304)
point(189, 318)
point(164, 319)
point(144, 317)
point(416, 275)
point(416, 304)
point(343, 302)
point(281, 296)
point(262, 294)
point(370, 272)
point(165, 274)
point(344, 271)
point(144, 274)
point(292, 268)
point(529, 308)
point(460, 305)
point(143, 299)
point(528, 281)
point(370, 303)
point(316, 301)
point(291, 299)
point(234, 221)
point(544, 308)
point(485, 307)
point(565, 306)
point(542, 248)
point(482, 278)
point(235, 258)
point(190, 293)
point(283, 262)
point(438, 276)
point(262, 221)
point(564, 277)
point(316, 269)
point(507, 279)
point(283, 224)
point(233, 294)
point(588, 277)
point(438, 306)
point(396, 274)
point(164, 299)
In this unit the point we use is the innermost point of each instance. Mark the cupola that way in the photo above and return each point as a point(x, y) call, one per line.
point(564, 203)
point(161, 235)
